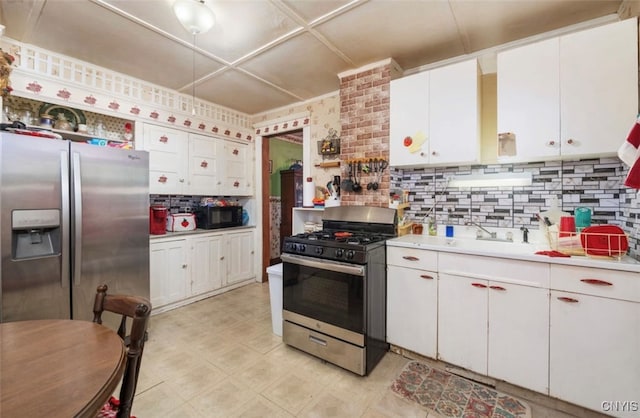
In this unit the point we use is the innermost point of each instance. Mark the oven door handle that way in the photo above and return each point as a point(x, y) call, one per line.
point(338, 267)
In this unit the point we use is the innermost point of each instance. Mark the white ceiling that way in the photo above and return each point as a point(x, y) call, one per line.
point(265, 54)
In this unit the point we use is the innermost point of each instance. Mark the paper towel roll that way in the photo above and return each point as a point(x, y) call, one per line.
point(308, 193)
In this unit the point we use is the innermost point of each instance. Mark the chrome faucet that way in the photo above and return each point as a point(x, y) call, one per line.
point(480, 230)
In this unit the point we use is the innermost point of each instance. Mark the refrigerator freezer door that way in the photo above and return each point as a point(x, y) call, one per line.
point(34, 279)
point(110, 224)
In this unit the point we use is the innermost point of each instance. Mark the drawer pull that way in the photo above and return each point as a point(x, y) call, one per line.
point(502, 289)
point(480, 285)
point(204, 164)
point(164, 139)
point(597, 282)
point(426, 276)
point(410, 258)
point(317, 340)
point(162, 179)
point(566, 299)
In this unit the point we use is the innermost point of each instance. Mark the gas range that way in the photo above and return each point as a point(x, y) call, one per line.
point(334, 287)
point(346, 234)
point(334, 245)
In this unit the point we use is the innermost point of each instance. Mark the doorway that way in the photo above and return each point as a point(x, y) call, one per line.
point(279, 152)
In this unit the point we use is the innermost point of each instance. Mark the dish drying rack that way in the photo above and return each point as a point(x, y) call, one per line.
point(590, 244)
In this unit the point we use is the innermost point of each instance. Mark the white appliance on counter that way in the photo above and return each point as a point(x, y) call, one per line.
point(72, 216)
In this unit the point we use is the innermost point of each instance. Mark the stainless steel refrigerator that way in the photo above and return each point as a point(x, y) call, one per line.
point(72, 216)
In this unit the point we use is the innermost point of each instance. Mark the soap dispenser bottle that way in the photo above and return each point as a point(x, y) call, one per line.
point(431, 226)
point(449, 227)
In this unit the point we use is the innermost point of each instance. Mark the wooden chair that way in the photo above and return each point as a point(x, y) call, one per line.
point(138, 309)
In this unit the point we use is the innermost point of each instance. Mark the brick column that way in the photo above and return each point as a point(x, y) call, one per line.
point(364, 116)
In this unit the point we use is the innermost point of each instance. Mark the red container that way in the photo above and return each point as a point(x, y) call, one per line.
point(157, 220)
point(567, 226)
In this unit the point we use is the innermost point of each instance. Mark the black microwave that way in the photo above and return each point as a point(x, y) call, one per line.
point(213, 217)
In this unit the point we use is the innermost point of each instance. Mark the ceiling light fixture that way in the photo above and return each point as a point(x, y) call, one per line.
point(194, 15)
point(196, 18)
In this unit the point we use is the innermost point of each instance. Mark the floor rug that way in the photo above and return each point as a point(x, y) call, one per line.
point(453, 396)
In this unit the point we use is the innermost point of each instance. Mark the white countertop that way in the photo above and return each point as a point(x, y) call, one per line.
point(199, 231)
point(512, 250)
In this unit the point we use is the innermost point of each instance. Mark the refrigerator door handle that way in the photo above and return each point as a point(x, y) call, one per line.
point(66, 216)
point(77, 220)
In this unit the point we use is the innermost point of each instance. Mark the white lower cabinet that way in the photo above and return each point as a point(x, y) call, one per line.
point(412, 309)
point(595, 339)
point(168, 272)
point(568, 331)
point(496, 329)
point(187, 269)
point(208, 266)
point(518, 346)
point(462, 322)
point(594, 351)
point(240, 257)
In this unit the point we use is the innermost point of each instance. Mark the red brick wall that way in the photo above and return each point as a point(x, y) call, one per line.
point(364, 116)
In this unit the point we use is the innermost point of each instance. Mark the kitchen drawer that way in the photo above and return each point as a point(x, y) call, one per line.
point(526, 273)
point(412, 258)
point(613, 284)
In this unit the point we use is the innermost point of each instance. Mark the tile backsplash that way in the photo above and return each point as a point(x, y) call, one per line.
point(594, 183)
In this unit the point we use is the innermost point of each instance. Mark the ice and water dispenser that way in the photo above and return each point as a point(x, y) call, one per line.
point(35, 233)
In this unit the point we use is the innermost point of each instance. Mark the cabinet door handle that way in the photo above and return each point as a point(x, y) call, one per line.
point(164, 139)
point(566, 299)
point(502, 289)
point(596, 282)
point(434, 153)
point(162, 179)
point(184, 266)
point(236, 184)
point(570, 141)
point(426, 276)
point(235, 151)
point(480, 285)
point(410, 258)
point(551, 143)
point(204, 164)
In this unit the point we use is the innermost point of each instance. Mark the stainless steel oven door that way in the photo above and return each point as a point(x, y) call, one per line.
point(327, 291)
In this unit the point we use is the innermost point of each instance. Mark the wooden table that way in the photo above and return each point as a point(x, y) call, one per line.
point(59, 368)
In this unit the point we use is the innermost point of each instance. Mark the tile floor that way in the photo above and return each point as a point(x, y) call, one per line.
point(219, 358)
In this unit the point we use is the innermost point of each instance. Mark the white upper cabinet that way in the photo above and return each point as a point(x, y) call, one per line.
point(168, 149)
point(409, 124)
point(204, 165)
point(529, 99)
point(435, 117)
point(185, 163)
point(570, 96)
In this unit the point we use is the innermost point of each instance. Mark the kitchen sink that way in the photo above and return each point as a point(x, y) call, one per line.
point(472, 244)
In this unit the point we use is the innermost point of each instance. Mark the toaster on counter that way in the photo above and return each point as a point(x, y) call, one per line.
point(178, 222)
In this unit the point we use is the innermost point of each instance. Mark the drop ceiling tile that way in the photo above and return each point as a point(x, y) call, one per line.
point(305, 66)
point(415, 34)
point(312, 10)
point(241, 92)
point(116, 43)
point(487, 24)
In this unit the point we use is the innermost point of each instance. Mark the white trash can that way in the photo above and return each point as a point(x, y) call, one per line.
point(275, 292)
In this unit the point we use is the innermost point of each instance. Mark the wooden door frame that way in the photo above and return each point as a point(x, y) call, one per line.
point(265, 194)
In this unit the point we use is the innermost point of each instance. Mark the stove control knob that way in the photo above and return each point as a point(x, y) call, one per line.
point(338, 253)
point(319, 250)
point(302, 248)
point(350, 254)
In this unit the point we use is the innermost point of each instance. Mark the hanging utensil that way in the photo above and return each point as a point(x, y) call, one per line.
point(357, 187)
point(382, 165)
point(374, 164)
point(347, 184)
